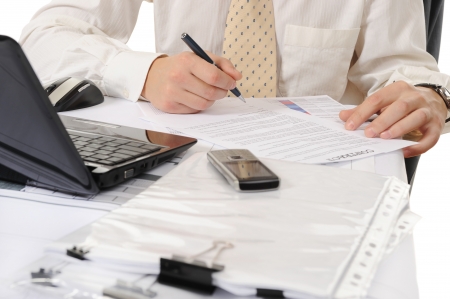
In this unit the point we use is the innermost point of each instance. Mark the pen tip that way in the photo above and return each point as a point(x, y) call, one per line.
point(242, 99)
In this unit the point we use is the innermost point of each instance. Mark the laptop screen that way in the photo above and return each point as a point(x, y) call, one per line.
point(33, 141)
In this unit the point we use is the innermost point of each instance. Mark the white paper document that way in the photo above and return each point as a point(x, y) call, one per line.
point(270, 129)
point(321, 106)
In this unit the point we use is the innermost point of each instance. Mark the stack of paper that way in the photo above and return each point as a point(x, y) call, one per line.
point(321, 235)
point(274, 128)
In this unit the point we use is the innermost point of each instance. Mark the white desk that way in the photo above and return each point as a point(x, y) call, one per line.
point(27, 227)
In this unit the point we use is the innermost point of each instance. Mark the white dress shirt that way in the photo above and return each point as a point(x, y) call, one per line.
point(347, 49)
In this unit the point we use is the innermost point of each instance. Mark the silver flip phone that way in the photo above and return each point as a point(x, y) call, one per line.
point(243, 170)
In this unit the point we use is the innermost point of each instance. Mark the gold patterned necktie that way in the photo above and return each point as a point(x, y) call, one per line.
point(250, 44)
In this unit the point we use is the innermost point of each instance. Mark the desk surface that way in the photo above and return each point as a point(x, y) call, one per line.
point(26, 227)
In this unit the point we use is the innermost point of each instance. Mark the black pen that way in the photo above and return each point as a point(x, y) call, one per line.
point(200, 53)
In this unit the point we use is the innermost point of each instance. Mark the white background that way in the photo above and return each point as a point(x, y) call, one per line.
point(431, 193)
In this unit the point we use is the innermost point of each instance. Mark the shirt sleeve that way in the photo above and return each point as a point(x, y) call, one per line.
point(87, 38)
point(392, 46)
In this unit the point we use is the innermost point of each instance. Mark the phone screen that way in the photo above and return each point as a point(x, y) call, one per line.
point(249, 170)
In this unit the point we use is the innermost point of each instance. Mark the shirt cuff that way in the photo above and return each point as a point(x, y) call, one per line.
point(415, 75)
point(125, 75)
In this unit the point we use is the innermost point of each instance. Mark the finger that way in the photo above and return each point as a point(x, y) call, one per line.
point(430, 138)
point(226, 66)
point(415, 120)
point(345, 114)
point(375, 103)
point(193, 101)
point(202, 89)
point(212, 75)
point(174, 107)
point(398, 110)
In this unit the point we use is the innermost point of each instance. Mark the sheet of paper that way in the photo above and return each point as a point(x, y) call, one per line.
point(269, 129)
point(321, 106)
point(106, 200)
point(27, 226)
point(326, 108)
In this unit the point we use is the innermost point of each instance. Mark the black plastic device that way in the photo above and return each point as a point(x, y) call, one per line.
point(33, 141)
point(73, 93)
point(35, 144)
point(243, 170)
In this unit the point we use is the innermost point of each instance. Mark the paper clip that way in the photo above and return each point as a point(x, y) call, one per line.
point(77, 252)
point(190, 273)
point(128, 290)
point(43, 277)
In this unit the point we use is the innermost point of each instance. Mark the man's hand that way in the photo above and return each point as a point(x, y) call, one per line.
point(185, 83)
point(402, 108)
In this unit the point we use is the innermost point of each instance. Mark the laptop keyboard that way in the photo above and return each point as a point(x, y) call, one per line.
point(109, 151)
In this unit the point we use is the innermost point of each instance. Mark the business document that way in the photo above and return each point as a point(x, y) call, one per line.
point(270, 128)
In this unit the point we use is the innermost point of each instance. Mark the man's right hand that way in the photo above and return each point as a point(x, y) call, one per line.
point(185, 83)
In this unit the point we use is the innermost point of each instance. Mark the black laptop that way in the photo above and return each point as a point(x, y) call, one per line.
point(65, 153)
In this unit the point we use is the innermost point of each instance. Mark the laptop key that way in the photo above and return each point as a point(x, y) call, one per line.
point(135, 144)
point(115, 159)
point(89, 149)
point(121, 156)
point(134, 149)
point(80, 143)
point(111, 144)
point(103, 152)
point(153, 148)
point(83, 139)
point(121, 141)
point(86, 154)
point(109, 148)
point(95, 145)
point(127, 152)
point(105, 162)
point(98, 141)
point(106, 139)
point(90, 159)
point(101, 157)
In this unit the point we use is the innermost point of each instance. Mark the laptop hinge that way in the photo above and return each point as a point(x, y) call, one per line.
point(7, 174)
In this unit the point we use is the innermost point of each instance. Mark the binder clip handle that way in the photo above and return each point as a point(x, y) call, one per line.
point(192, 274)
point(78, 253)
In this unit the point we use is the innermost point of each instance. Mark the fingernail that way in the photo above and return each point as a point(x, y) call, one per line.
point(350, 125)
point(406, 153)
point(370, 133)
point(386, 135)
point(233, 85)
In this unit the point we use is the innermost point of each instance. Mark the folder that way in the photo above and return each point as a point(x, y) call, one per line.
point(321, 235)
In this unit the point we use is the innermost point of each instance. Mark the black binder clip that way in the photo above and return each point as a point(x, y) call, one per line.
point(78, 253)
point(43, 277)
point(190, 273)
point(127, 290)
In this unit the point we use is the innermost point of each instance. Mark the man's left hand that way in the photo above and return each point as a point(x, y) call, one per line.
point(402, 108)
